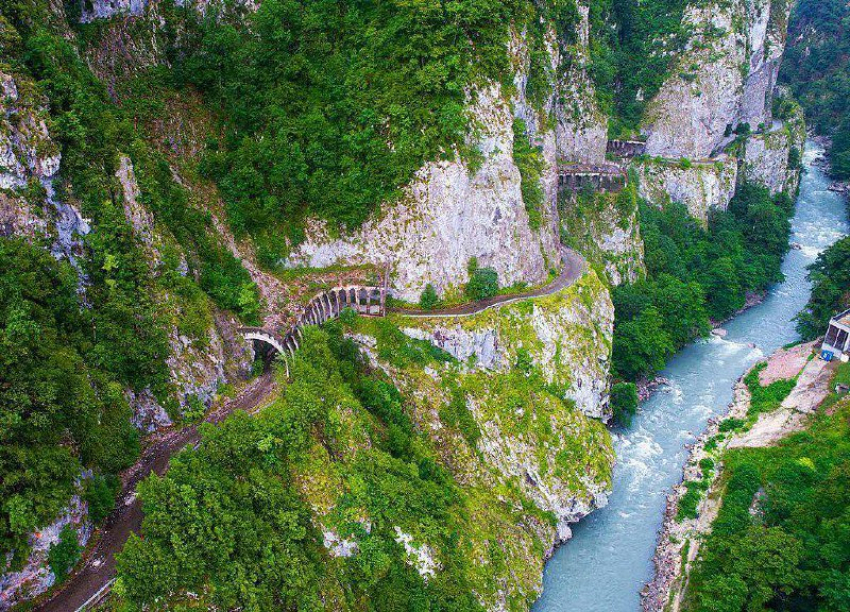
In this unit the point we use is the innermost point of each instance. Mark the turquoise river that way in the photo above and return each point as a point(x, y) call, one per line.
point(609, 560)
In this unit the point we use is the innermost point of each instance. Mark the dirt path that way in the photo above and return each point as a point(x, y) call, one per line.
point(97, 571)
point(574, 267)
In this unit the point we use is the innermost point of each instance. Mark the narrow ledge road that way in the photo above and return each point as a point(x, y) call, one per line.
point(91, 581)
point(574, 267)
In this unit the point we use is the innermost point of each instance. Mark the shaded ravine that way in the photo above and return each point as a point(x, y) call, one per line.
point(609, 560)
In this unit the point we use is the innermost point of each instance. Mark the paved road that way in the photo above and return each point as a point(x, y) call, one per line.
point(574, 267)
point(98, 570)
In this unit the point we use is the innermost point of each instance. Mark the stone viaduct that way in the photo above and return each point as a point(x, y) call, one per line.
point(603, 177)
point(626, 148)
point(369, 301)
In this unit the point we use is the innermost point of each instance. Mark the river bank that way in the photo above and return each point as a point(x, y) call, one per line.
point(608, 562)
point(680, 538)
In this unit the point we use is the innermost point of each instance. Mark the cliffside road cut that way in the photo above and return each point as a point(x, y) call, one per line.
point(92, 579)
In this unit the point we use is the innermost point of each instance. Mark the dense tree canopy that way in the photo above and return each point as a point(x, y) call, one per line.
point(74, 338)
point(782, 538)
point(59, 411)
point(817, 68)
point(831, 291)
point(229, 518)
point(695, 275)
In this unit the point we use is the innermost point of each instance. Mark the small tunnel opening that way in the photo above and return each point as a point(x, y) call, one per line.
point(264, 356)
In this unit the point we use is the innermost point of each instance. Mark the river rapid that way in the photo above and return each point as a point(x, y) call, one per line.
point(609, 560)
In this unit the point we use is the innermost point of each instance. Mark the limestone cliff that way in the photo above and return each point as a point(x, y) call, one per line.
point(711, 124)
point(448, 215)
point(453, 211)
point(566, 335)
point(701, 186)
point(772, 158)
point(605, 228)
point(725, 77)
point(514, 416)
point(582, 128)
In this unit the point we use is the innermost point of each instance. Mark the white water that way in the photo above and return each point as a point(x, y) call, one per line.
point(609, 560)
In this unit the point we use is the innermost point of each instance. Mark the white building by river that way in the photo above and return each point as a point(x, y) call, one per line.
point(838, 334)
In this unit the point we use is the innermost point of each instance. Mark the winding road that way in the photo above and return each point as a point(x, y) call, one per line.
point(574, 267)
point(92, 579)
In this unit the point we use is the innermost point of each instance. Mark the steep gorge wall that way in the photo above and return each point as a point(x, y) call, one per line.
point(533, 376)
point(582, 128)
point(37, 205)
point(725, 77)
point(448, 215)
point(724, 80)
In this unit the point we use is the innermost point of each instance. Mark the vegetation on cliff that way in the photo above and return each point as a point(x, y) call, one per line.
point(633, 46)
point(830, 275)
point(76, 337)
point(340, 495)
point(329, 108)
point(61, 401)
point(816, 68)
point(780, 541)
point(696, 275)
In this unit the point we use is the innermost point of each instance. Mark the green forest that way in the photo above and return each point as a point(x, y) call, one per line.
point(229, 519)
point(75, 340)
point(782, 538)
point(696, 275)
point(830, 276)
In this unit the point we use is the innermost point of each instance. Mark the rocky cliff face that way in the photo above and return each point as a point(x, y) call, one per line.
point(724, 82)
point(701, 186)
point(773, 158)
point(605, 228)
point(448, 215)
point(566, 335)
point(582, 129)
point(724, 78)
point(532, 377)
point(93, 10)
point(452, 212)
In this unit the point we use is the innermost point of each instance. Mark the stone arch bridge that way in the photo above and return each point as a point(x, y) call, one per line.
point(607, 177)
point(327, 305)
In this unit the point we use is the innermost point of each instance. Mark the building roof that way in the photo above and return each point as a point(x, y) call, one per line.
point(842, 318)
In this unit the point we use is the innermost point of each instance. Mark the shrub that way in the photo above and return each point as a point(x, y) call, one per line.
point(429, 298)
point(348, 317)
point(484, 283)
point(100, 496)
point(731, 425)
point(456, 414)
point(624, 402)
point(63, 555)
